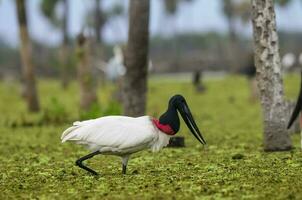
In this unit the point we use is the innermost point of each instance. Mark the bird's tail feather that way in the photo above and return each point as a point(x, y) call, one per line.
point(67, 134)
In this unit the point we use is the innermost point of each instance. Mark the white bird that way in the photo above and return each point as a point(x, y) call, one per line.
point(122, 135)
point(288, 60)
point(115, 68)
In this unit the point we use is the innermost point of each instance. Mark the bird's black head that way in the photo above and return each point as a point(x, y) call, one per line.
point(170, 117)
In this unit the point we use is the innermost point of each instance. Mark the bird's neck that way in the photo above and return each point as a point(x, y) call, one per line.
point(165, 128)
point(169, 121)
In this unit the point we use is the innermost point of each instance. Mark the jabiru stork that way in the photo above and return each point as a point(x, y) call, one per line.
point(123, 136)
point(297, 110)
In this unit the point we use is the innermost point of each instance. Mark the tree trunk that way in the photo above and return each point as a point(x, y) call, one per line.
point(86, 80)
point(98, 21)
point(269, 78)
point(98, 49)
point(26, 58)
point(64, 52)
point(135, 80)
point(232, 48)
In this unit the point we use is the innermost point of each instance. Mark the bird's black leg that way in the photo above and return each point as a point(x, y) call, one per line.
point(125, 159)
point(124, 169)
point(80, 160)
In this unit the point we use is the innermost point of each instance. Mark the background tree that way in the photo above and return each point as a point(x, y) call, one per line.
point(26, 58)
point(234, 10)
point(282, 2)
point(172, 5)
point(97, 17)
point(95, 20)
point(239, 11)
point(171, 8)
point(229, 12)
point(99, 21)
point(136, 59)
point(48, 8)
point(269, 77)
point(88, 95)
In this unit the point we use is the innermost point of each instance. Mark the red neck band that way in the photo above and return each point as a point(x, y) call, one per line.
point(166, 128)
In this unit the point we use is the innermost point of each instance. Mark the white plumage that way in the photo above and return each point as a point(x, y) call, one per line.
point(117, 135)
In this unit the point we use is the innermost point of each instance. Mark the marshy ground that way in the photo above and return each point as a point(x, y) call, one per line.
point(35, 165)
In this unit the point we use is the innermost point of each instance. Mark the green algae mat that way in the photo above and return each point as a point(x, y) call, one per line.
point(35, 165)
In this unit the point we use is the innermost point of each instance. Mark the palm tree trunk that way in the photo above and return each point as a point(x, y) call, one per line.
point(98, 48)
point(87, 84)
point(98, 21)
point(26, 59)
point(269, 76)
point(135, 80)
point(64, 52)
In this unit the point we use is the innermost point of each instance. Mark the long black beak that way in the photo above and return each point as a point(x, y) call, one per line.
point(297, 108)
point(189, 120)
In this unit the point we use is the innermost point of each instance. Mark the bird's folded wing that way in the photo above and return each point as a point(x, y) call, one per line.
point(114, 131)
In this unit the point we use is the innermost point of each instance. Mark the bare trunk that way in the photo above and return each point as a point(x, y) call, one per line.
point(64, 52)
point(232, 28)
point(232, 48)
point(269, 76)
point(87, 83)
point(98, 49)
point(98, 22)
point(26, 58)
point(135, 80)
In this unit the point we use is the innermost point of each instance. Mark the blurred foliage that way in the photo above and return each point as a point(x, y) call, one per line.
point(242, 8)
point(113, 108)
point(282, 2)
point(243, 11)
point(96, 110)
point(231, 166)
point(171, 6)
point(188, 41)
point(70, 65)
point(210, 43)
point(54, 113)
point(93, 112)
point(237, 9)
point(117, 9)
point(9, 58)
point(48, 8)
point(228, 8)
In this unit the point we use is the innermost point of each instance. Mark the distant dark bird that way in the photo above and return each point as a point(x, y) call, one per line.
point(198, 81)
point(249, 70)
point(297, 109)
point(122, 136)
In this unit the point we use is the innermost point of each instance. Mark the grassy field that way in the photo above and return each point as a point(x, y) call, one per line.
point(35, 165)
